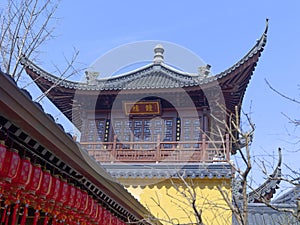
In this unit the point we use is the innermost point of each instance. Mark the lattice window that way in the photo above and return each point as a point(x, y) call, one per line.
point(95, 130)
point(144, 130)
point(122, 128)
point(100, 124)
point(191, 131)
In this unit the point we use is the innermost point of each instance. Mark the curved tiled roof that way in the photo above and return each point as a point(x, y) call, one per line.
point(152, 76)
point(159, 75)
point(156, 77)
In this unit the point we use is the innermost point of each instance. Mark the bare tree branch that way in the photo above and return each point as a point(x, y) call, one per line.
point(281, 94)
point(25, 26)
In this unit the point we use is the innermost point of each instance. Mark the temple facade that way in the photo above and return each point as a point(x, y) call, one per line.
point(163, 133)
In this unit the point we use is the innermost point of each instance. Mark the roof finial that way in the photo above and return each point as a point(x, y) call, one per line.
point(204, 70)
point(91, 77)
point(159, 54)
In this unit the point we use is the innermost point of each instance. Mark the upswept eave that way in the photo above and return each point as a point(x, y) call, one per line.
point(256, 49)
point(265, 191)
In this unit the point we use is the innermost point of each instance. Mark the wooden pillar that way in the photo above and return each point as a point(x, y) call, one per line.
point(205, 121)
point(204, 153)
point(114, 149)
point(158, 158)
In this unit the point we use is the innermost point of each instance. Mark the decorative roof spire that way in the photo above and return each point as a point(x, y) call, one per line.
point(159, 54)
point(204, 70)
point(267, 26)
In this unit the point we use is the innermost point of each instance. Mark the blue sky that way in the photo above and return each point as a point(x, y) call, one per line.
point(220, 32)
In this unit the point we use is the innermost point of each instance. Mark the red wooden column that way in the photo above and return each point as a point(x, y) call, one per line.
point(204, 153)
point(114, 150)
point(158, 158)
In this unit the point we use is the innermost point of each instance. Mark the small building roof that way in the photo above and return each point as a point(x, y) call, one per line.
point(268, 188)
point(265, 191)
point(290, 197)
point(260, 214)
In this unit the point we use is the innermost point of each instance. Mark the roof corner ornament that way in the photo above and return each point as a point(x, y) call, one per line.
point(91, 77)
point(204, 70)
point(158, 54)
point(23, 60)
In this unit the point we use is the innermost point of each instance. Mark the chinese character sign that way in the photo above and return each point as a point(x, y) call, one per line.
point(142, 108)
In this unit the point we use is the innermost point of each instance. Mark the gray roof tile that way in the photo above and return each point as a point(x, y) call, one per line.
point(260, 214)
point(162, 170)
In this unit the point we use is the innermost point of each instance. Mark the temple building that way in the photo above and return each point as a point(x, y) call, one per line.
point(162, 133)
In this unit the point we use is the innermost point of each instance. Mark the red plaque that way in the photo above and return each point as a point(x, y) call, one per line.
point(142, 108)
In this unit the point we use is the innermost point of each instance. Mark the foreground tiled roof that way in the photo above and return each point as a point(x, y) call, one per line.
point(26, 123)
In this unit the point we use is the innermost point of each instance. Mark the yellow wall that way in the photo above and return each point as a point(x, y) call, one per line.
point(167, 201)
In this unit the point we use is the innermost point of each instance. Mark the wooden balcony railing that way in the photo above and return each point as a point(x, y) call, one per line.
point(167, 151)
